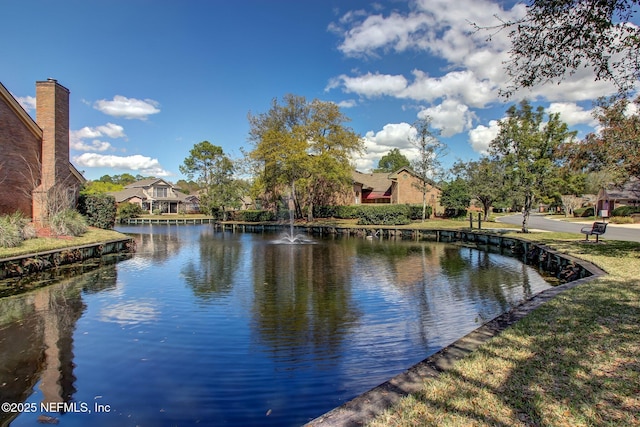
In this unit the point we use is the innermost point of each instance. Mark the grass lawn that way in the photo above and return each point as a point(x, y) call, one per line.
point(572, 362)
point(42, 244)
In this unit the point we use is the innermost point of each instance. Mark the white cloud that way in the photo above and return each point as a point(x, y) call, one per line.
point(111, 130)
point(572, 114)
point(473, 59)
point(128, 108)
point(481, 136)
point(395, 32)
point(146, 165)
point(450, 117)
point(347, 103)
point(77, 137)
point(26, 102)
point(371, 85)
point(95, 145)
point(377, 144)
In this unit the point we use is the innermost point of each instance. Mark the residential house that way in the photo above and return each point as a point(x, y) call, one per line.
point(36, 175)
point(156, 194)
point(623, 195)
point(399, 187)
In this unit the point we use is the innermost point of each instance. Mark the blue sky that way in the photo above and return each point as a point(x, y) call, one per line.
point(151, 78)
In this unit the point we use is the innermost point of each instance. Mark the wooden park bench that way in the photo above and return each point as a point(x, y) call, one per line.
point(597, 229)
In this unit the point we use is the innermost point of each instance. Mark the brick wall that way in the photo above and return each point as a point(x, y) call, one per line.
point(34, 158)
point(406, 192)
point(20, 151)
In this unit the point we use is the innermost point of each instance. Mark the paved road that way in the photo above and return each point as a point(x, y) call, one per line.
point(541, 222)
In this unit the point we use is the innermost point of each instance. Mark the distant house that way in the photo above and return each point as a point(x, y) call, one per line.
point(399, 187)
point(36, 176)
point(625, 195)
point(156, 194)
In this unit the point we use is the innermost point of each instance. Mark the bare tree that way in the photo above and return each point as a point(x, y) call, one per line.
point(52, 197)
point(427, 165)
point(570, 203)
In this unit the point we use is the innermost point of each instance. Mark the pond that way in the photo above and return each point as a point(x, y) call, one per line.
point(204, 327)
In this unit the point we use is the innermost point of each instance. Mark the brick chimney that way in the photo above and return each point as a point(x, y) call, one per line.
point(52, 116)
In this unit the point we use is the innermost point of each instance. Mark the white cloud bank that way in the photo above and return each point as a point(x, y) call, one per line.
point(128, 108)
point(77, 137)
point(144, 165)
point(472, 65)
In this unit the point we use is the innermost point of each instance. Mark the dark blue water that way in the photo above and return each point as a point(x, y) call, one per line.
point(213, 328)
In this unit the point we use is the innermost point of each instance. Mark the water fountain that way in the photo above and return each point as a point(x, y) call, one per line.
point(292, 238)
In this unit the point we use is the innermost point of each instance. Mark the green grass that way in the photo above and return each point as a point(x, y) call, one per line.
point(572, 362)
point(93, 235)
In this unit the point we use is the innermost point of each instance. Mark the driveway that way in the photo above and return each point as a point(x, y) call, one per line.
point(628, 232)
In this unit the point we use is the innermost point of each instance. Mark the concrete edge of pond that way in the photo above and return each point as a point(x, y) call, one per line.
point(372, 403)
point(41, 261)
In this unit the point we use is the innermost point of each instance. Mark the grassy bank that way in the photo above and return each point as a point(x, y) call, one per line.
point(41, 244)
point(572, 362)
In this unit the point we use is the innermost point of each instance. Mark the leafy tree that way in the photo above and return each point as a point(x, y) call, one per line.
point(100, 187)
point(556, 38)
point(615, 149)
point(485, 181)
point(124, 179)
point(129, 210)
point(187, 187)
point(213, 171)
point(300, 145)
point(427, 165)
point(527, 146)
point(392, 161)
point(455, 197)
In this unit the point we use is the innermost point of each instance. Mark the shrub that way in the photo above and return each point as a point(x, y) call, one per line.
point(68, 223)
point(415, 212)
point(456, 213)
point(129, 210)
point(625, 211)
point(252, 215)
point(10, 234)
point(583, 212)
point(99, 209)
point(24, 224)
point(384, 215)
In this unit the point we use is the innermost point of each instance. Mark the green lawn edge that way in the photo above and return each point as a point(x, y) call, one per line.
point(44, 244)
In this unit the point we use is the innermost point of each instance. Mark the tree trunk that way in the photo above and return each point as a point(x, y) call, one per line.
point(528, 201)
point(310, 212)
point(486, 205)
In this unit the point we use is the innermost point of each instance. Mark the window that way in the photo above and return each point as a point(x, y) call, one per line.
point(160, 192)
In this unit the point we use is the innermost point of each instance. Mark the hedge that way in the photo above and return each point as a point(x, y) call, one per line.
point(584, 212)
point(384, 215)
point(99, 210)
point(252, 215)
point(625, 211)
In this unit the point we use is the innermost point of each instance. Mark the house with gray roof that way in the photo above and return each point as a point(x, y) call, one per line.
point(156, 194)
